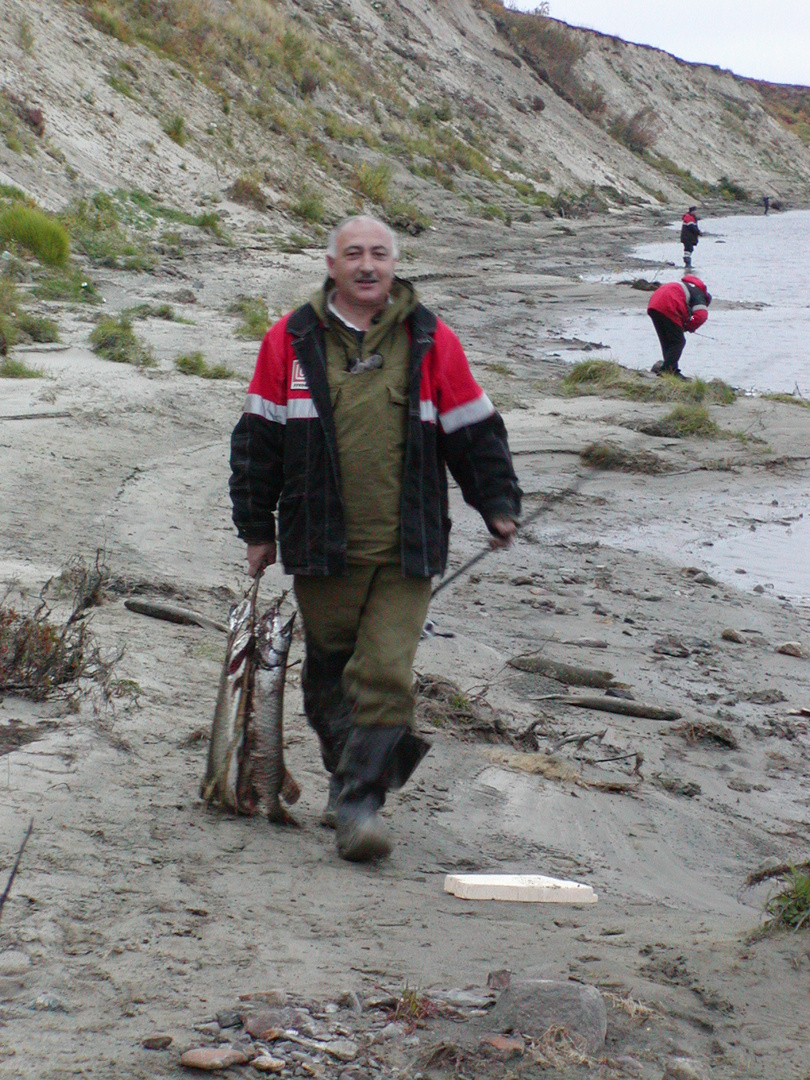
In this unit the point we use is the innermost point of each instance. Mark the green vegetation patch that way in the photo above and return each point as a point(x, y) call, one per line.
point(17, 369)
point(115, 340)
point(35, 231)
point(175, 128)
point(789, 399)
point(150, 311)
point(196, 364)
point(609, 379)
point(99, 230)
point(18, 324)
point(790, 908)
point(309, 205)
point(254, 315)
point(66, 283)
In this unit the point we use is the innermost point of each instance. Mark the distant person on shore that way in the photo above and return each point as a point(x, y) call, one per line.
point(766, 201)
point(690, 231)
point(673, 308)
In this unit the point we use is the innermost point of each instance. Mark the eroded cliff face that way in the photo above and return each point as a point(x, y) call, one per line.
point(427, 110)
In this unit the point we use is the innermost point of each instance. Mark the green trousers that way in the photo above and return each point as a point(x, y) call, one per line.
point(376, 614)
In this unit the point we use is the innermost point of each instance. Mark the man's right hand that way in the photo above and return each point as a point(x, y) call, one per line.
point(259, 556)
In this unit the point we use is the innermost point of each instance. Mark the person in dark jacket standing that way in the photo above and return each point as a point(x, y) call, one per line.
point(673, 308)
point(690, 231)
point(360, 402)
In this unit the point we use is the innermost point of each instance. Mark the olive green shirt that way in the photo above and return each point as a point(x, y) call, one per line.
point(370, 410)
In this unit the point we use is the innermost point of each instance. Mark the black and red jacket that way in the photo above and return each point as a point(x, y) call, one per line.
point(685, 302)
point(284, 452)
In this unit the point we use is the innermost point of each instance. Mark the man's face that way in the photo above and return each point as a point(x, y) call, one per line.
point(363, 267)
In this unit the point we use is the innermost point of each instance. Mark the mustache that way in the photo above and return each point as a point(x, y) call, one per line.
point(366, 277)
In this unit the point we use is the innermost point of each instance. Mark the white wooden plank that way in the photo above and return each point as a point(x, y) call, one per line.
point(528, 888)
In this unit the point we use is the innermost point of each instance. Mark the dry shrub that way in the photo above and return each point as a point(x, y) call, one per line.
point(637, 132)
point(441, 703)
point(709, 731)
point(608, 455)
point(38, 657)
point(559, 1048)
point(551, 768)
point(247, 190)
point(41, 657)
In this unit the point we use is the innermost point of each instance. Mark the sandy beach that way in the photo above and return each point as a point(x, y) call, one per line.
point(138, 911)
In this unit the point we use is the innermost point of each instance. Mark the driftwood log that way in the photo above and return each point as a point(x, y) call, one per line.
point(175, 614)
point(570, 674)
point(626, 708)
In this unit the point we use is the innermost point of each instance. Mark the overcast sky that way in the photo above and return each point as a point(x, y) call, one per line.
point(762, 40)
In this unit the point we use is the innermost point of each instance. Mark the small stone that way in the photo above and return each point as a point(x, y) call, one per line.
point(733, 635)
point(156, 1042)
point(505, 1046)
point(464, 999)
point(670, 646)
point(380, 1000)
point(343, 1049)
point(48, 1003)
point(532, 1006)
point(626, 1064)
point(499, 980)
point(390, 1031)
point(268, 1064)
point(790, 648)
point(682, 1068)
point(350, 999)
point(14, 962)
point(213, 1057)
point(229, 1018)
point(210, 1028)
point(267, 997)
point(264, 1024)
point(184, 296)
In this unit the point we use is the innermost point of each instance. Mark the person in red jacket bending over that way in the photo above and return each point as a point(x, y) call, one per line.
point(673, 308)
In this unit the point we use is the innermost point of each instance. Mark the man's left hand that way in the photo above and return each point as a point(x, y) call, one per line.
point(503, 531)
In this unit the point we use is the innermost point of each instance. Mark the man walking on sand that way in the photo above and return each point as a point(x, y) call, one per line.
point(673, 308)
point(359, 402)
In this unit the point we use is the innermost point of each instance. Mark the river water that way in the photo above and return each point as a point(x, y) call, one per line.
point(757, 338)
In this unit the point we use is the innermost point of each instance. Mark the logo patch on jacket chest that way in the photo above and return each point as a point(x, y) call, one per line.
point(297, 379)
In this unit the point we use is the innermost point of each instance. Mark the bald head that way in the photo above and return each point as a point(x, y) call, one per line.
point(361, 258)
point(365, 220)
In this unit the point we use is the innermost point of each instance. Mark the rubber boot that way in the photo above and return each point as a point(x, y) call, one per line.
point(329, 815)
point(375, 760)
point(328, 712)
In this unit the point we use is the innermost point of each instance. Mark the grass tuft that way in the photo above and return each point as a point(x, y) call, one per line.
point(115, 340)
point(790, 908)
point(35, 231)
point(17, 369)
point(175, 128)
point(684, 421)
point(255, 317)
point(195, 364)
